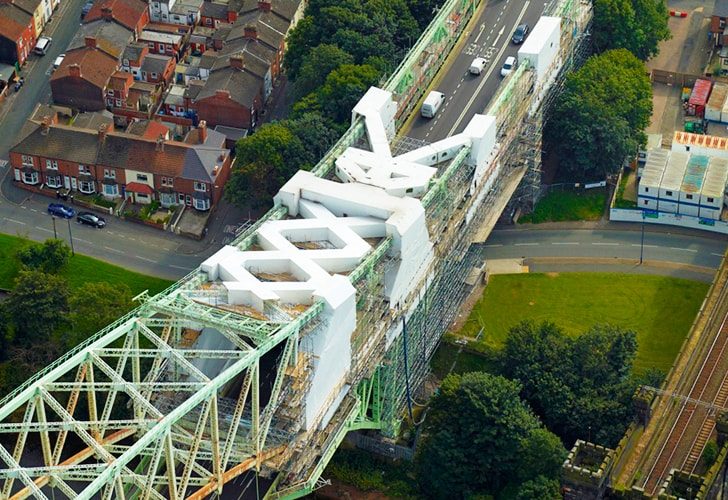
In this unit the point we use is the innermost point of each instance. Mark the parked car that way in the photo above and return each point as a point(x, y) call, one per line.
point(61, 210)
point(508, 66)
point(520, 34)
point(42, 45)
point(90, 219)
point(87, 7)
point(58, 61)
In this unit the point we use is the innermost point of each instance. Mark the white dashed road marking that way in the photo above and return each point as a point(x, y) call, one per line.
point(15, 221)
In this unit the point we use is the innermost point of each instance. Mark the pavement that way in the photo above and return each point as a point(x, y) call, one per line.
point(466, 94)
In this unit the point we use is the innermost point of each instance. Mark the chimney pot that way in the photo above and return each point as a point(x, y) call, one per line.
point(202, 131)
point(103, 128)
point(107, 13)
point(45, 125)
point(90, 42)
point(265, 5)
point(75, 70)
point(160, 143)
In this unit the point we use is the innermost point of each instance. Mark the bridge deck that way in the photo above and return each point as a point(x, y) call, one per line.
point(683, 417)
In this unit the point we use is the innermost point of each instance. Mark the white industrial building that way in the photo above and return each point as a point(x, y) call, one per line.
point(682, 183)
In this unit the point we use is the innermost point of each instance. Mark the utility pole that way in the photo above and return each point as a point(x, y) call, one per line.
point(55, 235)
point(642, 239)
point(70, 237)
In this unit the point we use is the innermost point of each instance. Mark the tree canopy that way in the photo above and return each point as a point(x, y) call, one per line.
point(51, 256)
point(480, 431)
point(636, 25)
point(95, 305)
point(599, 118)
point(580, 387)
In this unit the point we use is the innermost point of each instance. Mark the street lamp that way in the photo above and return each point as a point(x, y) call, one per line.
point(55, 235)
point(642, 239)
point(70, 237)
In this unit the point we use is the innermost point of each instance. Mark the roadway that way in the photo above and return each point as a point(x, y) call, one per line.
point(466, 94)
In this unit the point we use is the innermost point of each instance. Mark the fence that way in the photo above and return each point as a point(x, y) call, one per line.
point(381, 446)
point(628, 215)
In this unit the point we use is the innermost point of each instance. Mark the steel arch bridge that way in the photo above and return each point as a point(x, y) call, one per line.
point(319, 319)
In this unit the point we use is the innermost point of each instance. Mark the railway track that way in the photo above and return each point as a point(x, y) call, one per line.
point(693, 423)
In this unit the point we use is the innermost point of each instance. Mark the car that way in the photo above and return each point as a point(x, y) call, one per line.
point(90, 219)
point(477, 66)
point(86, 8)
point(520, 34)
point(42, 45)
point(58, 61)
point(508, 66)
point(61, 210)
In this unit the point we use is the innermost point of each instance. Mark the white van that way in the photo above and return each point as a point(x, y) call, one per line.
point(432, 103)
point(58, 61)
point(41, 47)
point(477, 66)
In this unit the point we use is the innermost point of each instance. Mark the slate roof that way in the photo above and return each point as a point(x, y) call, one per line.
point(13, 21)
point(96, 66)
point(93, 120)
point(62, 143)
point(214, 10)
point(721, 8)
point(112, 38)
point(133, 51)
point(28, 6)
point(155, 63)
point(242, 85)
point(285, 9)
point(125, 12)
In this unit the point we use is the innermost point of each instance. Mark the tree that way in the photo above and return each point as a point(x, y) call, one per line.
point(636, 25)
point(264, 162)
point(600, 117)
point(473, 431)
point(343, 89)
point(321, 61)
point(316, 134)
point(580, 387)
point(49, 257)
point(423, 10)
point(540, 454)
point(37, 306)
point(540, 488)
point(95, 305)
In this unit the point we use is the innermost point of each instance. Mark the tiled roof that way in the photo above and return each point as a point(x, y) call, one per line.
point(112, 38)
point(721, 8)
point(139, 187)
point(242, 86)
point(120, 80)
point(155, 129)
point(125, 12)
point(133, 51)
point(13, 21)
point(62, 143)
point(706, 141)
point(155, 63)
point(96, 66)
point(28, 6)
point(214, 10)
point(283, 8)
point(93, 120)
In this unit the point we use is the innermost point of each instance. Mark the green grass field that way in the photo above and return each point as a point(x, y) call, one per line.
point(81, 269)
point(567, 205)
point(659, 309)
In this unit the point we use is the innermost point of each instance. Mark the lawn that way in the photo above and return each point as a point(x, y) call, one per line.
point(81, 269)
point(659, 309)
point(567, 205)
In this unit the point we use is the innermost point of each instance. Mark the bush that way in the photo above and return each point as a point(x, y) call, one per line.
point(50, 257)
point(710, 453)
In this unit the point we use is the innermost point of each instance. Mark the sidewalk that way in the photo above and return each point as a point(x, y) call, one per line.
point(606, 225)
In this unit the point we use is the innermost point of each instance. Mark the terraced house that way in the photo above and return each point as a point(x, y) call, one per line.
point(115, 164)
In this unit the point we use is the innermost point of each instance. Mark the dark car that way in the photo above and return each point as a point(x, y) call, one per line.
point(86, 8)
point(520, 34)
point(90, 219)
point(60, 210)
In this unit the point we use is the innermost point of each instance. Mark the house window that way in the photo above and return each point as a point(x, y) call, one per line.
point(54, 181)
point(167, 199)
point(52, 164)
point(154, 76)
point(689, 196)
point(118, 103)
point(125, 62)
point(109, 173)
point(83, 169)
point(200, 186)
point(711, 200)
point(202, 204)
point(167, 181)
point(142, 196)
point(151, 45)
point(111, 190)
point(687, 148)
point(188, 200)
point(27, 161)
point(30, 177)
point(668, 193)
point(142, 177)
point(181, 198)
point(647, 190)
point(208, 21)
point(169, 48)
point(87, 187)
point(110, 92)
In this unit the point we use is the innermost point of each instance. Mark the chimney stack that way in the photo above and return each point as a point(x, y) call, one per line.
point(222, 94)
point(237, 62)
point(74, 70)
point(103, 128)
point(90, 42)
point(265, 5)
point(160, 143)
point(107, 13)
point(202, 131)
point(45, 125)
point(250, 32)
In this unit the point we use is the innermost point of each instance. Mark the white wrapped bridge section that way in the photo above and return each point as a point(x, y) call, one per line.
point(376, 197)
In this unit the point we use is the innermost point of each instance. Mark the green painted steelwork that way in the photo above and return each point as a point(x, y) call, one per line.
point(440, 184)
point(371, 260)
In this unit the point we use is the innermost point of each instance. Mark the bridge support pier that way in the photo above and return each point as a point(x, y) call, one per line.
point(586, 471)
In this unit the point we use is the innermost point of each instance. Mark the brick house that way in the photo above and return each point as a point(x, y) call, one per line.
point(157, 68)
point(17, 33)
point(81, 81)
point(132, 57)
point(169, 44)
point(132, 14)
point(213, 14)
point(117, 91)
point(175, 11)
point(41, 11)
point(118, 164)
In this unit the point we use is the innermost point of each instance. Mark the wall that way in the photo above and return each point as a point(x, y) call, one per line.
point(222, 111)
point(77, 93)
point(626, 215)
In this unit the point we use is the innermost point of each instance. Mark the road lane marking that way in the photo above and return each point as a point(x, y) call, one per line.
point(145, 259)
point(493, 246)
point(646, 246)
point(565, 243)
point(716, 254)
point(526, 244)
point(482, 28)
point(180, 267)
point(606, 244)
point(684, 249)
point(15, 221)
point(114, 250)
point(500, 33)
point(83, 241)
point(43, 229)
point(487, 75)
point(33, 210)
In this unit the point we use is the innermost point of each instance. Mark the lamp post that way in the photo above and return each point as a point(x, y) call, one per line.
point(70, 237)
point(642, 239)
point(55, 235)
